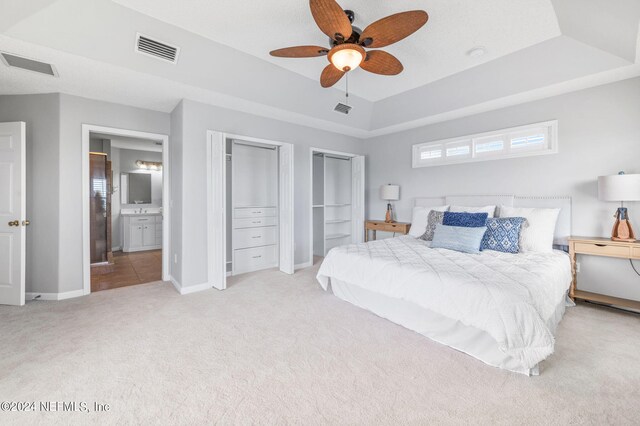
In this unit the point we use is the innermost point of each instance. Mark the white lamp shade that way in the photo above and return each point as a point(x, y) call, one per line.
point(619, 187)
point(390, 192)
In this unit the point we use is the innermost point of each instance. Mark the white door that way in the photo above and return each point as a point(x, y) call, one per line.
point(357, 199)
point(286, 209)
point(12, 213)
point(216, 199)
point(135, 236)
point(149, 235)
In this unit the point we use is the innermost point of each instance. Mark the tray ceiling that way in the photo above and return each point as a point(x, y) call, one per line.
point(436, 51)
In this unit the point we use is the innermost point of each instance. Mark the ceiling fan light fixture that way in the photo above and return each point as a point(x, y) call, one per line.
point(346, 57)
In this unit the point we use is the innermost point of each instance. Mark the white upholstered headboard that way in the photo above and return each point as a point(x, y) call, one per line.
point(563, 226)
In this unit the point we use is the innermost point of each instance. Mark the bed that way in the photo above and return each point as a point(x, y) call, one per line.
point(500, 308)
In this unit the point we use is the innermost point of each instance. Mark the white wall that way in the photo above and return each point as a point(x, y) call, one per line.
point(190, 122)
point(599, 134)
point(42, 115)
point(75, 111)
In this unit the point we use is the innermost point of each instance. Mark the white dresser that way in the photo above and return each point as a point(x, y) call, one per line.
point(142, 232)
point(255, 238)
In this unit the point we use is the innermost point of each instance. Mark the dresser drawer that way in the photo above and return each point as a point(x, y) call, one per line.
point(253, 259)
point(254, 222)
point(635, 252)
point(602, 250)
point(254, 237)
point(254, 212)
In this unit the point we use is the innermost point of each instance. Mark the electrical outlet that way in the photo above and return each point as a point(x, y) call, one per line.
point(175, 258)
point(577, 267)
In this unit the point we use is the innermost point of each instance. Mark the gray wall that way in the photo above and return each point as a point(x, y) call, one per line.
point(75, 111)
point(599, 134)
point(42, 115)
point(191, 140)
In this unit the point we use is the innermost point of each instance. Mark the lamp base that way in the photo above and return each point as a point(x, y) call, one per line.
point(388, 218)
point(622, 229)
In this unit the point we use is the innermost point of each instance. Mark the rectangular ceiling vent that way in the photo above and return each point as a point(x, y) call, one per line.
point(21, 62)
point(157, 49)
point(343, 108)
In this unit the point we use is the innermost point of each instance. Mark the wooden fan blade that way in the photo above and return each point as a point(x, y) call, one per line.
point(393, 28)
point(331, 19)
point(330, 76)
point(381, 62)
point(300, 52)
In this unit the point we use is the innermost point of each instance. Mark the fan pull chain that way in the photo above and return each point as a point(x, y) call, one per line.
point(346, 97)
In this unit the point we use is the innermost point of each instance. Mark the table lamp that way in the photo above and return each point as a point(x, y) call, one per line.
point(620, 187)
point(389, 193)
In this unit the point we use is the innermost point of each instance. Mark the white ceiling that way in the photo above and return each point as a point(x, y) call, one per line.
point(437, 50)
point(536, 49)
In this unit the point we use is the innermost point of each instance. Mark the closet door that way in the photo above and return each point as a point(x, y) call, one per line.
point(286, 209)
point(357, 199)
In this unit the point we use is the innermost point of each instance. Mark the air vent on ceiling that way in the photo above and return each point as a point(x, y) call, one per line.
point(343, 108)
point(16, 61)
point(157, 49)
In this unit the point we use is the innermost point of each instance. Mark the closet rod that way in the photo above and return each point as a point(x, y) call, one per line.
point(273, 148)
point(337, 158)
point(322, 154)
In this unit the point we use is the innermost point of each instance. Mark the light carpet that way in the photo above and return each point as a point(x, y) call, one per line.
point(277, 349)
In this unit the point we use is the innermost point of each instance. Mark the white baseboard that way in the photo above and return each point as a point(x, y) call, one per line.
point(54, 296)
point(190, 289)
point(303, 265)
point(117, 248)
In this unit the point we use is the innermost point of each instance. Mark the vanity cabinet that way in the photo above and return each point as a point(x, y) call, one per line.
point(142, 232)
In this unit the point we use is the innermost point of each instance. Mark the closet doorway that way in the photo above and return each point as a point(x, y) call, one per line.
point(250, 206)
point(337, 205)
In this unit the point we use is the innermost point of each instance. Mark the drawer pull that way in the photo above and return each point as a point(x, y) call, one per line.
point(257, 212)
point(257, 221)
point(142, 220)
point(259, 236)
point(256, 257)
point(601, 245)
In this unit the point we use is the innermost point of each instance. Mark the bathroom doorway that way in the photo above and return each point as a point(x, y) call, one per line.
point(126, 223)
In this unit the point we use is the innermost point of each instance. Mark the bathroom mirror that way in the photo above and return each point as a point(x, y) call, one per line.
point(136, 188)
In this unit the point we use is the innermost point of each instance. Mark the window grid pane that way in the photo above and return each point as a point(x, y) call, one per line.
point(522, 141)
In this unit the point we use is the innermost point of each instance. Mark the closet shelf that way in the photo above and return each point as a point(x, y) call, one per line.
point(335, 236)
point(338, 221)
point(336, 205)
point(318, 206)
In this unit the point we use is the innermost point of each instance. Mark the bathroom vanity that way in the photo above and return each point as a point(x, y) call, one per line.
point(141, 231)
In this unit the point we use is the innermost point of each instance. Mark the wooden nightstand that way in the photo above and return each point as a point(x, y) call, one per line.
point(381, 225)
point(601, 247)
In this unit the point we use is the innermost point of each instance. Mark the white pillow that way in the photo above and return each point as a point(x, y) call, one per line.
point(541, 224)
point(490, 210)
point(421, 218)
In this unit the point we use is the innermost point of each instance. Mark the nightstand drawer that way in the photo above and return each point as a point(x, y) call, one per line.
point(603, 250)
point(389, 227)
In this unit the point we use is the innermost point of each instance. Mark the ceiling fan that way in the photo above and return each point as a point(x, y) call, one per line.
point(347, 43)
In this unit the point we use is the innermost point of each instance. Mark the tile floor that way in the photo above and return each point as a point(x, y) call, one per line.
point(128, 269)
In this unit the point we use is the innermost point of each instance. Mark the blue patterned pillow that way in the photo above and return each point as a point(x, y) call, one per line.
point(502, 234)
point(458, 238)
point(467, 220)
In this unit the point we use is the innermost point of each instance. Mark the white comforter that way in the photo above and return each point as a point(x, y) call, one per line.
point(513, 297)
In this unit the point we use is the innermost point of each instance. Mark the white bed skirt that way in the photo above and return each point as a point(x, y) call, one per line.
point(450, 332)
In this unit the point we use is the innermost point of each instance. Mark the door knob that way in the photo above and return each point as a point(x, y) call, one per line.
point(14, 223)
point(26, 222)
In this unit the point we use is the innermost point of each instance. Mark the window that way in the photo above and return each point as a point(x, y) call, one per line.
point(534, 139)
